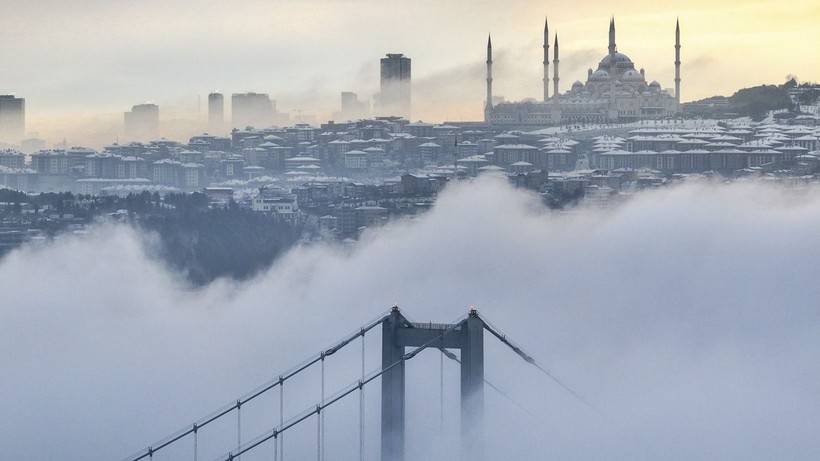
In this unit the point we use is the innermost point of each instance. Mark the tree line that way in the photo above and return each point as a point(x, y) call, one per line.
point(202, 242)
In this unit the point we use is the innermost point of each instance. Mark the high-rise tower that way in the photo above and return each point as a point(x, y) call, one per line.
point(12, 118)
point(677, 63)
point(142, 123)
point(488, 108)
point(251, 109)
point(546, 60)
point(555, 63)
point(216, 113)
point(394, 92)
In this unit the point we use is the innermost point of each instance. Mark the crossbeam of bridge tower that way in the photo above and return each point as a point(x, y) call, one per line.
point(467, 336)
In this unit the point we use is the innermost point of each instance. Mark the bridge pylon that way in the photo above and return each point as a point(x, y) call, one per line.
point(467, 336)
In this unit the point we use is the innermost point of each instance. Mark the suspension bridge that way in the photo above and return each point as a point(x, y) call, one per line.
point(402, 340)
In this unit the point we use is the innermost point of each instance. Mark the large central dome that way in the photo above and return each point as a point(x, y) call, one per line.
point(616, 59)
point(616, 64)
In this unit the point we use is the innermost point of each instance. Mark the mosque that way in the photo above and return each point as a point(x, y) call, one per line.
point(614, 92)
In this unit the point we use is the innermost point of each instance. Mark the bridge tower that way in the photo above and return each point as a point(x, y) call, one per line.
point(468, 337)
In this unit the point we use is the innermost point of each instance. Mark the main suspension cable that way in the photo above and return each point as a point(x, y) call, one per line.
point(149, 452)
point(531, 360)
point(318, 408)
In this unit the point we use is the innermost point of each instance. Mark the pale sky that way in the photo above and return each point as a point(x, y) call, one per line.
point(81, 63)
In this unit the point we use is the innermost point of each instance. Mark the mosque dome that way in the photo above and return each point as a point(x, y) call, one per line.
point(618, 59)
point(632, 76)
point(599, 76)
point(655, 85)
point(577, 85)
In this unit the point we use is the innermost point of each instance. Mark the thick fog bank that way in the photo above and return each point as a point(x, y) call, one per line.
point(688, 317)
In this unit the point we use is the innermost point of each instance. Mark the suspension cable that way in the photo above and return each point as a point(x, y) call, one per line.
point(451, 356)
point(321, 416)
point(529, 359)
point(238, 426)
point(319, 432)
point(260, 390)
point(361, 406)
point(342, 394)
point(441, 389)
point(281, 419)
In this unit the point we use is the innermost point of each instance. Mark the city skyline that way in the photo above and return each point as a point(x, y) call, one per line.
point(120, 55)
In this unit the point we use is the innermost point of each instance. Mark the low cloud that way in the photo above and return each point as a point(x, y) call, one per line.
point(687, 317)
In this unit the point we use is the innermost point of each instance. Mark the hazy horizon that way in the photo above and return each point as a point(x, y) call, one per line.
point(80, 65)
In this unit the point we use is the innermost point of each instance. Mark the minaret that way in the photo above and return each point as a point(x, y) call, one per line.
point(555, 62)
point(677, 64)
point(489, 107)
point(612, 48)
point(546, 60)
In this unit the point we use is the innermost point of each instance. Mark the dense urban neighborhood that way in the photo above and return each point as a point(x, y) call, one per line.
point(228, 206)
point(228, 202)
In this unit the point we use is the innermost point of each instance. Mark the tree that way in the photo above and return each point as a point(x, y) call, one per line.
point(757, 101)
point(809, 96)
point(10, 195)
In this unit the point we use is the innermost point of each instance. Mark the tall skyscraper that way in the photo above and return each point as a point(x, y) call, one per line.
point(394, 93)
point(251, 109)
point(12, 118)
point(216, 113)
point(142, 123)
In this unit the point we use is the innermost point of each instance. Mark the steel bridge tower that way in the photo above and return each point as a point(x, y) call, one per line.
point(468, 337)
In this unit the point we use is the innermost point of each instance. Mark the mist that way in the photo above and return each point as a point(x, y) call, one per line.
point(687, 317)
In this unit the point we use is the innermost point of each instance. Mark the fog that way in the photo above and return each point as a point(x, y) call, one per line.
point(687, 317)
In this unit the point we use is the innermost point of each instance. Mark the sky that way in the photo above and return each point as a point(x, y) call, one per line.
point(81, 63)
point(687, 317)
